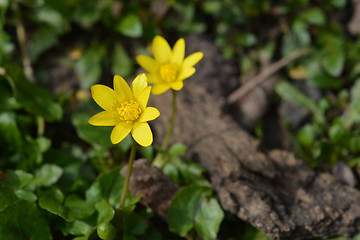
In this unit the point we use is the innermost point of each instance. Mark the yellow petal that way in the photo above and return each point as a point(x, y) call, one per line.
point(143, 98)
point(105, 118)
point(138, 85)
point(192, 59)
point(153, 77)
point(142, 134)
point(161, 50)
point(185, 73)
point(178, 51)
point(122, 89)
point(148, 63)
point(104, 96)
point(149, 114)
point(177, 85)
point(160, 88)
point(119, 132)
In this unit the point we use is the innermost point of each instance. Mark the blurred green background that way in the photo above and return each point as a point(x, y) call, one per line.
point(57, 168)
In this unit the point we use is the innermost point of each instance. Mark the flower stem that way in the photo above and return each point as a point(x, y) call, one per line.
point(172, 123)
point(128, 175)
point(160, 159)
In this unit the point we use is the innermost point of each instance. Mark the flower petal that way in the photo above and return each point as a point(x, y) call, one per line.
point(178, 52)
point(148, 63)
point(160, 88)
point(185, 73)
point(120, 131)
point(192, 59)
point(143, 98)
point(153, 77)
point(105, 118)
point(104, 96)
point(142, 134)
point(161, 50)
point(139, 84)
point(149, 114)
point(177, 85)
point(122, 89)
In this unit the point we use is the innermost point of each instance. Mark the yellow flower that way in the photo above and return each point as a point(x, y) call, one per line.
point(169, 68)
point(125, 108)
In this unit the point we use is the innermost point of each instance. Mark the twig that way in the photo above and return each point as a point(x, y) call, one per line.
point(21, 36)
point(243, 90)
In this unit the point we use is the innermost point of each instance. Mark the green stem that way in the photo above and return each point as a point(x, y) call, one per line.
point(172, 123)
point(128, 175)
point(160, 159)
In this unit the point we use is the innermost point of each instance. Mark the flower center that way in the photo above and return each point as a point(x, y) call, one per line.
point(169, 72)
point(129, 111)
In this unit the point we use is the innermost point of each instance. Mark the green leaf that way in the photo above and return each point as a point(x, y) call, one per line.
point(78, 227)
point(314, 16)
point(88, 67)
point(108, 186)
point(43, 39)
point(52, 200)
point(332, 56)
point(105, 211)
point(9, 131)
point(339, 134)
point(171, 170)
point(130, 25)
point(290, 93)
point(23, 221)
point(177, 150)
point(26, 195)
point(7, 197)
point(339, 4)
point(208, 218)
point(319, 78)
point(129, 236)
point(134, 224)
point(18, 179)
point(78, 208)
point(355, 144)
point(306, 135)
point(121, 63)
point(91, 134)
point(37, 100)
point(7, 100)
point(106, 231)
point(182, 210)
point(47, 175)
point(352, 114)
point(74, 208)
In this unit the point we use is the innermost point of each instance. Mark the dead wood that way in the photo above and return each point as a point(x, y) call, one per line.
point(157, 189)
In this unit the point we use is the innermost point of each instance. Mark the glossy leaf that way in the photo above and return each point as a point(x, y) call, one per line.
point(208, 218)
point(47, 175)
point(23, 221)
point(183, 212)
point(91, 134)
point(105, 211)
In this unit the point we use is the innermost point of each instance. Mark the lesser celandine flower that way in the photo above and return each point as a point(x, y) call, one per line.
point(168, 68)
point(125, 109)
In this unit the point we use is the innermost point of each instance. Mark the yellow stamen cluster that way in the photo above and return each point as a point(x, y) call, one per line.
point(169, 72)
point(129, 111)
